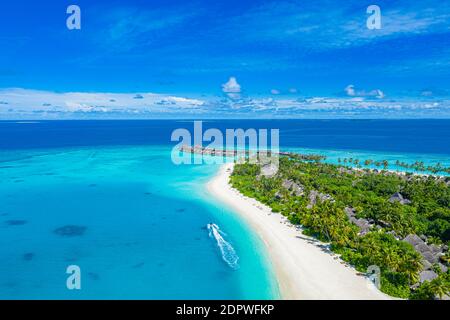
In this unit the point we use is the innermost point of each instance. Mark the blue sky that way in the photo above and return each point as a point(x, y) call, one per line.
point(224, 59)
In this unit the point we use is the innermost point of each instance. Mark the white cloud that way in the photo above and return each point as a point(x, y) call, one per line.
point(352, 92)
point(127, 28)
point(378, 93)
point(315, 26)
point(32, 104)
point(427, 93)
point(231, 86)
point(29, 102)
point(275, 91)
point(329, 107)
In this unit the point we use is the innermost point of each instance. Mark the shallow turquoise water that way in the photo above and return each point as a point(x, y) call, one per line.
point(146, 218)
point(391, 157)
point(145, 222)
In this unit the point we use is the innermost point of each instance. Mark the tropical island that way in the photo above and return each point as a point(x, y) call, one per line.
point(398, 222)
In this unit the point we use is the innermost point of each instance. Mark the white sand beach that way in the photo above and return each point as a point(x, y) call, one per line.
point(303, 266)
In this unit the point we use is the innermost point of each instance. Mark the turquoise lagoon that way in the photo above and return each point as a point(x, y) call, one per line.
point(142, 220)
point(145, 220)
point(145, 228)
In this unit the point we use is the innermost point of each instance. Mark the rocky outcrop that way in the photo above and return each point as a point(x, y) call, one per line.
point(295, 188)
point(269, 170)
point(315, 196)
point(350, 212)
point(429, 253)
point(398, 197)
point(342, 170)
point(427, 275)
point(394, 234)
point(363, 224)
point(442, 267)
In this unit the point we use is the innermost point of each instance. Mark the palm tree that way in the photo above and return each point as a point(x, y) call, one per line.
point(392, 258)
point(412, 266)
point(439, 287)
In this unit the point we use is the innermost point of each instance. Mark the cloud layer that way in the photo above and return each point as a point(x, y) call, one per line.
point(33, 104)
point(52, 105)
point(352, 92)
point(232, 88)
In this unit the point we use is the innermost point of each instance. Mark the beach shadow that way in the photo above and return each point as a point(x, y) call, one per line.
point(138, 265)
point(309, 240)
point(129, 244)
point(93, 276)
point(15, 222)
point(28, 256)
point(70, 231)
point(10, 284)
point(317, 243)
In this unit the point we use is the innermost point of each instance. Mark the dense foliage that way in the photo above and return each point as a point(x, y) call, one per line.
point(368, 194)
point(417, 166)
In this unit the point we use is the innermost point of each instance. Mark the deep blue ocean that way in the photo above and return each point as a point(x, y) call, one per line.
point(105, 196)
point(398, 136)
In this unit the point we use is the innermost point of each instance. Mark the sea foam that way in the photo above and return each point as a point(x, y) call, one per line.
point(228, 253)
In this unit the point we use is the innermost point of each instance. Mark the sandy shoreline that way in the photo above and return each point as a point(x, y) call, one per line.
point(303, 269)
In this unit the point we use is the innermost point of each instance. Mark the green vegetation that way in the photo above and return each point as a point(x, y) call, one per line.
point(354, 211)
point(435, 288)
point(418, 166)
point(306, 157)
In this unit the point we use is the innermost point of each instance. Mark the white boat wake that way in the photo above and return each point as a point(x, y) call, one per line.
point(228, 253)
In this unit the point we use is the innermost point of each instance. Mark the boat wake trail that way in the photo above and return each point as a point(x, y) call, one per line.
point(228, 253)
